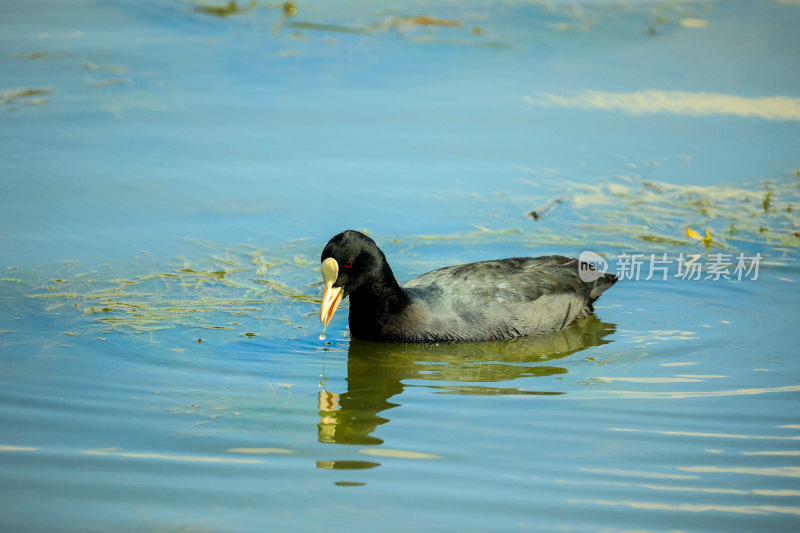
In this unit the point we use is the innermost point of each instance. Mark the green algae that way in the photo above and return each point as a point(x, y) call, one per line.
point(626, 217)
point(666, 210)
point(663, 240)
point(11, 95)
point(144, 296)
point(33, 55)
point(326, 27)
point(767, 201)
point(225, 10)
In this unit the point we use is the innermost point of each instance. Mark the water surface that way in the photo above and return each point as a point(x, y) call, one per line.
point(172, 170)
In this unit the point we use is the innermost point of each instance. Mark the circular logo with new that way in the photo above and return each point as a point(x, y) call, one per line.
point(591, 266)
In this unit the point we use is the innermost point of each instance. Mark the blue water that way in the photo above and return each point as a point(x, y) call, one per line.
point(169, 178)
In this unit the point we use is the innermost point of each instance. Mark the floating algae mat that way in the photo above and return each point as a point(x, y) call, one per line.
point(628, 214)
point(239, 289)
point(650, 215)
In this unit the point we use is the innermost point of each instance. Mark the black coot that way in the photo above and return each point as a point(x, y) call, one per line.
point(488, 300)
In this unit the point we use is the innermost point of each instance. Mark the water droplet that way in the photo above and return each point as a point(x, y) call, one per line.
point(322, 336)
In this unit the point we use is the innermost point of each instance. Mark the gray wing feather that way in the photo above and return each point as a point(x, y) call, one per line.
point(499, 299)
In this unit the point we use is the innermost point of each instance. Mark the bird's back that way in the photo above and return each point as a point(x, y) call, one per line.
point(496, 299)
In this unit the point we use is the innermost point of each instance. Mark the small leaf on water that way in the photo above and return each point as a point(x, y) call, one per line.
point(707, 241)
point(694, 235)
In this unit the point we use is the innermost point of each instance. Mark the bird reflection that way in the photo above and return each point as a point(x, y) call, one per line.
point(378, 372)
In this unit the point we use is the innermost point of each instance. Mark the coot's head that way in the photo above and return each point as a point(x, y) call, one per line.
point(349, 260)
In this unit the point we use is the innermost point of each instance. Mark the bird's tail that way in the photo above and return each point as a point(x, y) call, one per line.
point(601, 285)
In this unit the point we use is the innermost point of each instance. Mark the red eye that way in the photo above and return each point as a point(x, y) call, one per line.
point(349, 264)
